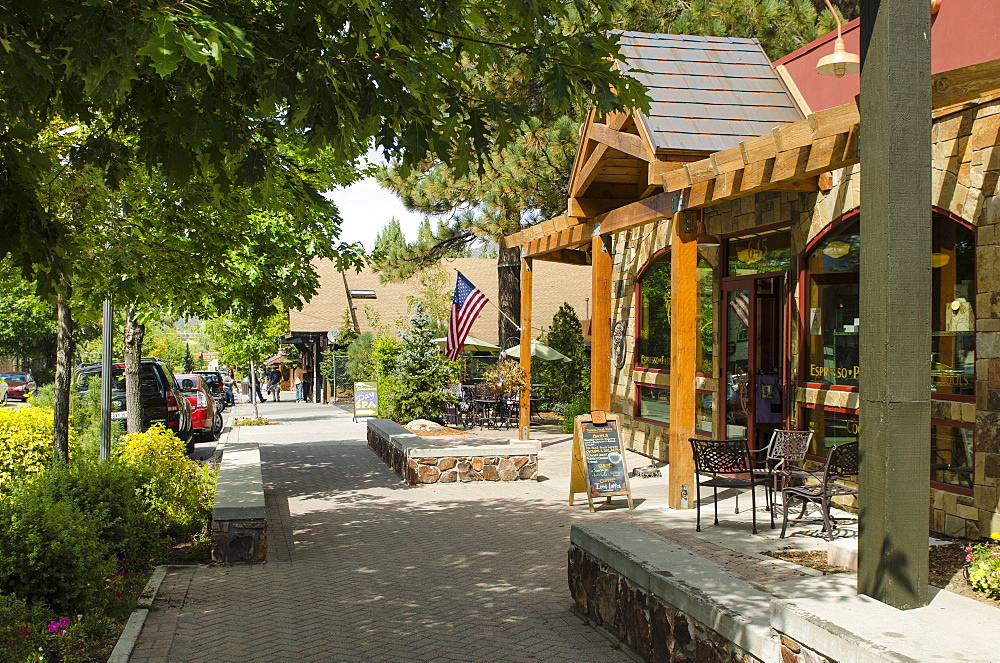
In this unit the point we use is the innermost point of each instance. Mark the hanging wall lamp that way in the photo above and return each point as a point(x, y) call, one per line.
point(840, 62)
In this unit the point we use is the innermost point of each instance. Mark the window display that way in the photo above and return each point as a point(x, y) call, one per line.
point(760, 254)
point(833, 315)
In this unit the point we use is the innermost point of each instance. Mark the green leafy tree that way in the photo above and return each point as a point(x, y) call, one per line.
point(246, 340)
point(565, 380)
point(422, 373)
point(214, 89)
point(384, 360)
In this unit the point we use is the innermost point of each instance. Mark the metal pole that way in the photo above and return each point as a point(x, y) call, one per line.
point(333, 358)
point(106, 333)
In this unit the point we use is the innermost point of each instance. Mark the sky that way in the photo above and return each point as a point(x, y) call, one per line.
point(366, 208)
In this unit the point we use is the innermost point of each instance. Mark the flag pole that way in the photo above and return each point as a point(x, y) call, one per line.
point(504, 314)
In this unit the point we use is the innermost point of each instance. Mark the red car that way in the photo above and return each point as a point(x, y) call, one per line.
point(206, 420)
point(20, 385)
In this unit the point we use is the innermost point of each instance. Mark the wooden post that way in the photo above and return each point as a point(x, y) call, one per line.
point(895, 301)
point(524, 415)
point(600, 323)
point(683, 339)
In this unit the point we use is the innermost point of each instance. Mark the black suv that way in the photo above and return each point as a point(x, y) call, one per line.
point(162, 399)
point(216, 387)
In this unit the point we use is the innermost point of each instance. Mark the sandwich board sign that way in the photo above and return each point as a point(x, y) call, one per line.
point(598, 459)
point(365, 399)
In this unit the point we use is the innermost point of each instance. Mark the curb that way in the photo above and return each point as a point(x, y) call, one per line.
point(133, 627)
point(130, 634)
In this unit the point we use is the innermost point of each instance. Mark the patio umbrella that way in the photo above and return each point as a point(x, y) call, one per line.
point(472, 344)
point(540, 350)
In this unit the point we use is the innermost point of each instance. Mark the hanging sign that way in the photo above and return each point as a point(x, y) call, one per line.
point(598, 459)
point(365, 399)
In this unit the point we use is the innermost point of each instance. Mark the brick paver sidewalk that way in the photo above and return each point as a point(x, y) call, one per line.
point(363, 568)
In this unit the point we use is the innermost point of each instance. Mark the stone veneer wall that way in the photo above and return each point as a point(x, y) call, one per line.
point(966, 170)
point(653, 630)
point(239, 540)
point(462, 465)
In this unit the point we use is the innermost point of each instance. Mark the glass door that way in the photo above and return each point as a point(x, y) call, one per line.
point(754, 357)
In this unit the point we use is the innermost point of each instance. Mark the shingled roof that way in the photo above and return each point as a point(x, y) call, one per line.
point(708, 93)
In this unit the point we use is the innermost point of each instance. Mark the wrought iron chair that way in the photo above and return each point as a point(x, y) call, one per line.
point(841, 463)
point(782, 453)
point(728, 462)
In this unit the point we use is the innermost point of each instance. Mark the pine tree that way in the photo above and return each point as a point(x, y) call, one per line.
point(422, 373)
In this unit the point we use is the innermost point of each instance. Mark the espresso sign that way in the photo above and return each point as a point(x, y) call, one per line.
point(598, 459)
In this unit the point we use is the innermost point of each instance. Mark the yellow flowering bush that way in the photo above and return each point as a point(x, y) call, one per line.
point(25, 444)
point(983, 566)
point(180, 488)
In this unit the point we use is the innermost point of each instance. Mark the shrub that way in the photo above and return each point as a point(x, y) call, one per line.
point(112, 494)
point(568, 411)
point(176, 487)
point(25, 444)
point(49, 551)
point(504, 377)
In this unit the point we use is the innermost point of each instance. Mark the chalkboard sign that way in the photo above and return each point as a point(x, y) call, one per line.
point(598, 459)
point(365, 399)
point(603, 457)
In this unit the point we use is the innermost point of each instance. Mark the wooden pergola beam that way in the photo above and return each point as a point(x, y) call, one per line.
point(793, 157)
point(588, 170)
point(566, 256)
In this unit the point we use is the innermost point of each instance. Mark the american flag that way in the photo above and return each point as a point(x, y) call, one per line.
point(466, 304)
point(741, 307)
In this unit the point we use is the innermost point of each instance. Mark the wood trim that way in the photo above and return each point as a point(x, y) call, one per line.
point(793, 89)
point(638, 213)
point(623, 142)
point(600, 324)
point(587, 171)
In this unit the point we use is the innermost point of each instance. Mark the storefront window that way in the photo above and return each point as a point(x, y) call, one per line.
point(653, 342)
point(829, 428)
point(654, 404)
point(951, 455)
point(703, 416)
point(833, 316)
point(953, 274)
point(760, 254)
point(653, 339)
point(706, 317)
point(832, 320)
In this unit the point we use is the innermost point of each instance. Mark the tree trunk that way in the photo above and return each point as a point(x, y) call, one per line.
point(134, 335)
point(253, 390)
point(64, 359)
point(509, 296)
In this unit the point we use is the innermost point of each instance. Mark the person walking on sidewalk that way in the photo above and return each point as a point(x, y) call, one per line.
point(298, 377)
point(255, 387)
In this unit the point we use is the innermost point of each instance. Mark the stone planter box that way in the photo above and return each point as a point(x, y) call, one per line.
point(421, 461)
point(239, 522)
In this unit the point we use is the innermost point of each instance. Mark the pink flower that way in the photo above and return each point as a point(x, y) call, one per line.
point(118, 595)
point(968, 558)
point(53, 627)
point(64, 621)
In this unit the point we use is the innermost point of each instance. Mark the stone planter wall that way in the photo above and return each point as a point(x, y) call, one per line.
point(653, 630)
point(419, 461)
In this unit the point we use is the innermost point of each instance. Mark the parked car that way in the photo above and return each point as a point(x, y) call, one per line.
point(20, 385)
point(162, 399)
point(216, 386)
point(206, 417)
